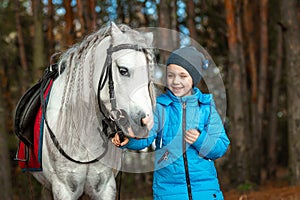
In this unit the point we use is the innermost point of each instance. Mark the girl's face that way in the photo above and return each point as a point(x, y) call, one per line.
point(179, 80)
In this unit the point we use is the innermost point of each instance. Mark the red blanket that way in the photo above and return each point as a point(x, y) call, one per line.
point(31, 158)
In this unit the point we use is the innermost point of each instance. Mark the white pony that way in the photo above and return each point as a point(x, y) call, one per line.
point(105, 77)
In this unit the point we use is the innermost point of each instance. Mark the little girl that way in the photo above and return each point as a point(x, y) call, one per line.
point(188, 133)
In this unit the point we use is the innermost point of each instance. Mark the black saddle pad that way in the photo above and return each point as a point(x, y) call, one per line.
point(28, 106)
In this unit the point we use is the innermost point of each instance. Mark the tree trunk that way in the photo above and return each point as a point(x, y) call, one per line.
point(190, 6)
point(38, 41)
point(292, 63)
point(120, 11)
point(251, 66)
point(237, 130)
point(69, 18)
point(50, 35)
point(167, 19)
point(258, 108)
point(23, 81)
point(5, 177)
point(80, 17)
point(174, 23)
point(164, 22)
point(272, 139)
point(145, 16)
point(86, 16)
point(248, 21)
point(92, 14)
point(5, 168)
point(163, 14)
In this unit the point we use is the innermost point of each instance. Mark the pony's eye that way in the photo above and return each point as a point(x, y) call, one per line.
point(123, 71)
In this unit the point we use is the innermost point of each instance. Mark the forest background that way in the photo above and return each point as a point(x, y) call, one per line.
point(255, 44)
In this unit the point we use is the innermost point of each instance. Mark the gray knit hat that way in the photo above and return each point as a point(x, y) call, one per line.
point(191, 60)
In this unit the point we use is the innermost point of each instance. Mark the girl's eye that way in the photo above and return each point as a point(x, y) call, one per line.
point(123, 71)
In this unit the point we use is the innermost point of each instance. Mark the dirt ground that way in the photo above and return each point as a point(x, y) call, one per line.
point(278, 189)
point(266, 193)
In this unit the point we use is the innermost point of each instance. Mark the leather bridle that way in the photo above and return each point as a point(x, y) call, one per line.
point(115, 116)
point(111, 119)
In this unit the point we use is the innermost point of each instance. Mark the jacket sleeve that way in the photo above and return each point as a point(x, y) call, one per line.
point(213, 141)
point(139, 144)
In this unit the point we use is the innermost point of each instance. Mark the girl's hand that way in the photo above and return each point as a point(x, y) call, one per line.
point(191, 136)
point(116, 140)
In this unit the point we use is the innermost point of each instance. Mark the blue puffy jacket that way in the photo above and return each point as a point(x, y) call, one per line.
point(194, 177)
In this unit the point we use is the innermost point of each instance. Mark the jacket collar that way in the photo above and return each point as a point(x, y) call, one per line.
point(167, 98)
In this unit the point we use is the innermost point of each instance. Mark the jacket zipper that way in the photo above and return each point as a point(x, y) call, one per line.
point(187, 176)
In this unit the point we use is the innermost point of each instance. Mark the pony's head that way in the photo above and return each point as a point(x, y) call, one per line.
point(110, 69)
point(129, 64)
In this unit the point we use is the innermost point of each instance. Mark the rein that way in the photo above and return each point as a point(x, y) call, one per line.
point(111, 118)
point(53, 137)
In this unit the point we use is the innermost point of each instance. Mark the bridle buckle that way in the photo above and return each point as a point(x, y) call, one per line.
point(116, 115)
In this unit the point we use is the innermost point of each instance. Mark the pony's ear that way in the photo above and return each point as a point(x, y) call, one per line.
point(149, 38)
point(114, 30)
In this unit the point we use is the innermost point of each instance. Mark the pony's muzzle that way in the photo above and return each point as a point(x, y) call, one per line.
point(130, 127)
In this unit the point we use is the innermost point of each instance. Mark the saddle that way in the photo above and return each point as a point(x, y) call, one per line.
point(29, 105)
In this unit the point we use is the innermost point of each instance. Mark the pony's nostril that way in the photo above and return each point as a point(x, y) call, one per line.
point(142, 116)
point(142, 123)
